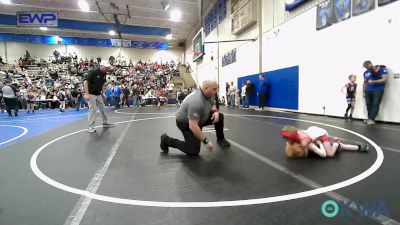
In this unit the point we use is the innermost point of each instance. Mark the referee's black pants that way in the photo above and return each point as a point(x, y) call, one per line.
point(191, 145)
point(11, 104)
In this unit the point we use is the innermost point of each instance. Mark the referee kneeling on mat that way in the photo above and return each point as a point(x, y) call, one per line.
point(197, 110)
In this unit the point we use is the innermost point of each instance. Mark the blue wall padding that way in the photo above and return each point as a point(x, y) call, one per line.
point(284, 92)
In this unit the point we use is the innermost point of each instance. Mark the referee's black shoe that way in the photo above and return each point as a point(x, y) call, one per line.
point(224, 143)
point(164, 145)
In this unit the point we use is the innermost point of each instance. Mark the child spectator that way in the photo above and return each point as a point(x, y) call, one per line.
point(350, 87)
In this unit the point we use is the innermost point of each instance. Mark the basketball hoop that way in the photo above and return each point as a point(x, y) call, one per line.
point(195, 53)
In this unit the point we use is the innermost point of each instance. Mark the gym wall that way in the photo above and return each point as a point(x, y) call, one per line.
point(2, 51)
point(325, 58)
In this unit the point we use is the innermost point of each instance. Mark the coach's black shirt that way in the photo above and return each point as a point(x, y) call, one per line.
point(96, 80)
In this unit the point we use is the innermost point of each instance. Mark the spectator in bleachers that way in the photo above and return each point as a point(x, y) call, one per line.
point(170, 88)
point(80, 100)
point(49, 79)
point(30, 98)
point(27, 81)
point(117, 95)
point(161, 99)
point(62, 98)
point(23, 93)
point(27, 56)
point(41, 85)
point(109, 96)
point(135, 95)
point(125, 95)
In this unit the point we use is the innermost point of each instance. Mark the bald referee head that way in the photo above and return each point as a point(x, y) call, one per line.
point(209, 88)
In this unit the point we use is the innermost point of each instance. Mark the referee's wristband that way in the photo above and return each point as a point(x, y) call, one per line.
point(205, 140)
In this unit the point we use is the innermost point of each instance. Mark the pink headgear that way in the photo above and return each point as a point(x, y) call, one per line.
point(292, 136)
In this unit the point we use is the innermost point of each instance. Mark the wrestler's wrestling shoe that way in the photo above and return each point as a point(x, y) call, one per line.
point(364, 148)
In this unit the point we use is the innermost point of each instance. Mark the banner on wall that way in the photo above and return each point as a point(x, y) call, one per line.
point(325, 16)
point(342, 9)
point(121, 43)
point(221, 10)
point(384, 2)
point(53, 40)
point(229, 58)
point(362, 6)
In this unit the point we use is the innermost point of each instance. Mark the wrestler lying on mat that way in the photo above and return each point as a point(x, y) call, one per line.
point(314, 140)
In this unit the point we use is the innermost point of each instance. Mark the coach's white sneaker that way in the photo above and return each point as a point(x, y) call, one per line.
point(91, 130)
point(370, 122)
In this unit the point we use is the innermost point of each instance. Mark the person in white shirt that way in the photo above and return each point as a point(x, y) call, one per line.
point(61, 98)
point(232, 91)
point(23, 93)
point(149, 94)
point(27, 80)
point(244, 95)
point(149, 97)
point(57, 84)
point(170, 87)
point(42, 85)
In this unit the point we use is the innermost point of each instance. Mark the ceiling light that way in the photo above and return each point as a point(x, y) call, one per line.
point(111, 32)
point(169, 36)
point(165, 5)
point(176, 15)
point(7, 2)
point(83, 5)
point(43, 28)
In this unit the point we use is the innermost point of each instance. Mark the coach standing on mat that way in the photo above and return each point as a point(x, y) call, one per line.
point(375, 78)
point(197, 110)
point(94, 93)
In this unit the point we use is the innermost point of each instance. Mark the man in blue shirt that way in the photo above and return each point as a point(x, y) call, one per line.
point(262, 92)
point(117, 91)
point(375, 78)
point(109, 96)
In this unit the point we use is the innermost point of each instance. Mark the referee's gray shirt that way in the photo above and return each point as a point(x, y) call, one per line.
point(195, 106)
